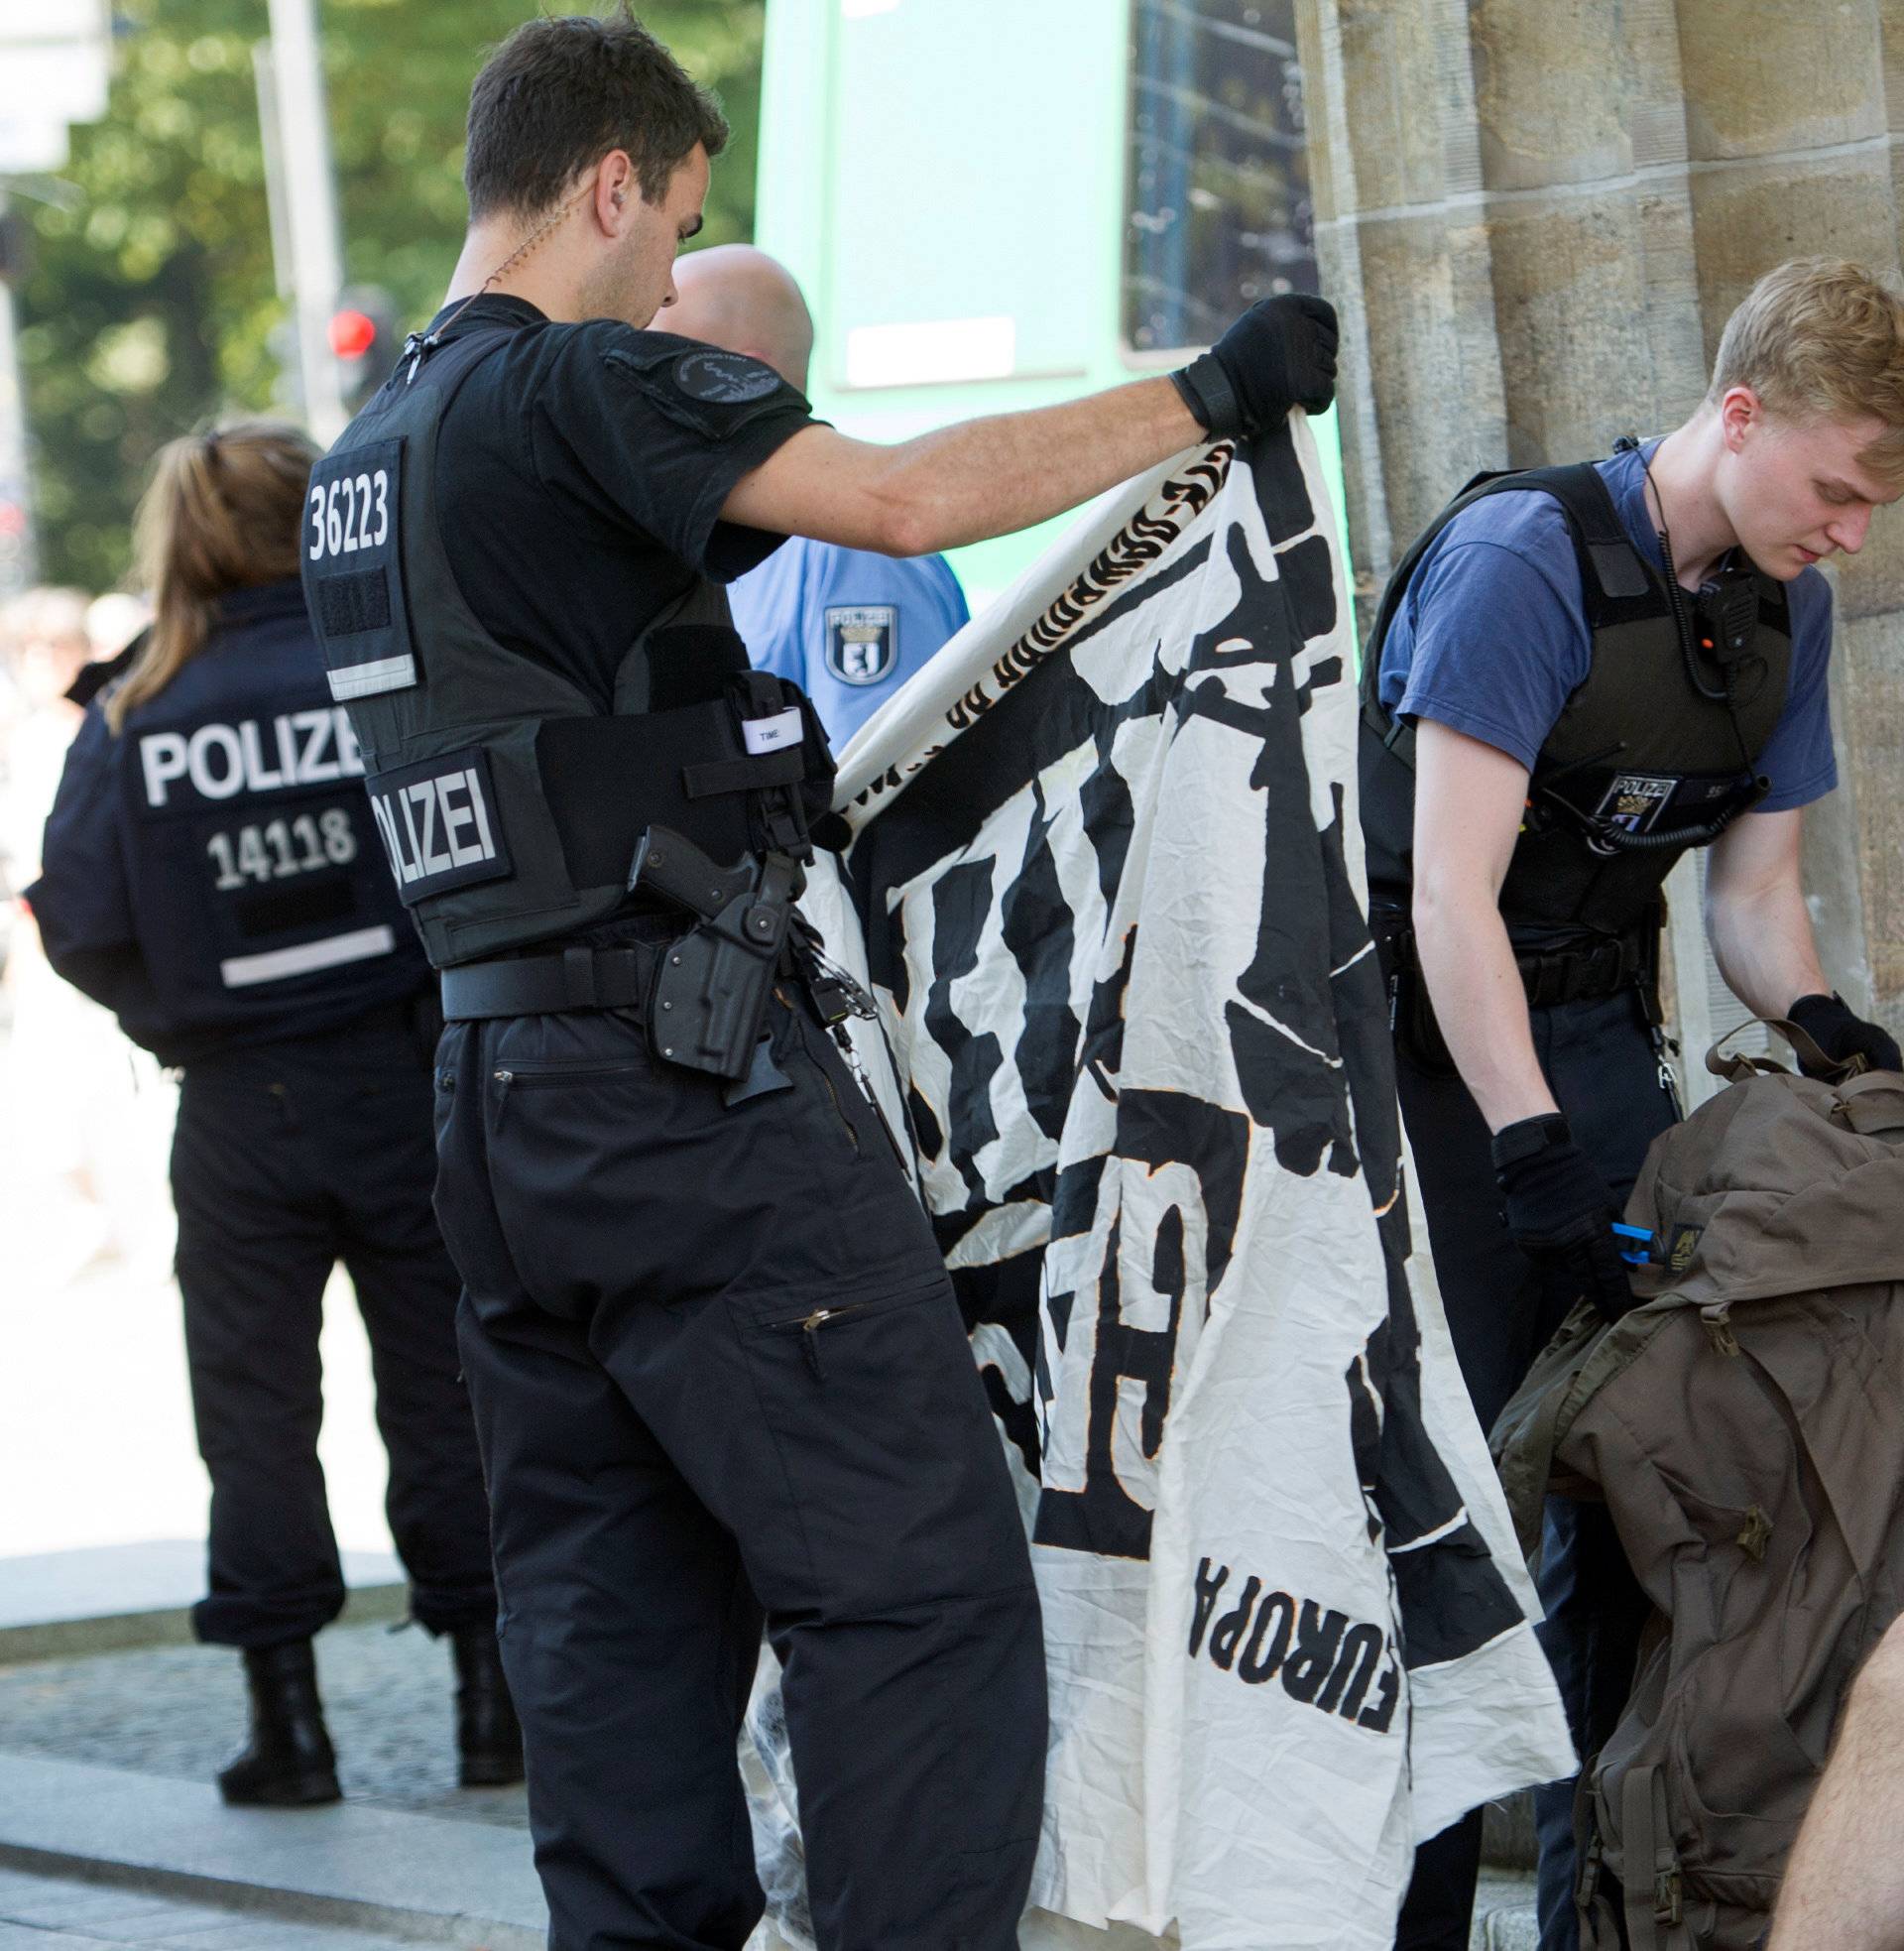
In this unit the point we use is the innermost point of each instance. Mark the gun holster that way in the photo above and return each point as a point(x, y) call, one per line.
point(712, 984)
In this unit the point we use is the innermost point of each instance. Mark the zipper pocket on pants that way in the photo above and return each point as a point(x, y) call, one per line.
point(587, 1072)
point(812, 1325)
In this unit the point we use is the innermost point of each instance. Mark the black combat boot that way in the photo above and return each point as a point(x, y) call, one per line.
point(489, 1738)
point(289, 1762)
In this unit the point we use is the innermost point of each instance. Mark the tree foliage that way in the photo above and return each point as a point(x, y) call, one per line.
point(152, 304)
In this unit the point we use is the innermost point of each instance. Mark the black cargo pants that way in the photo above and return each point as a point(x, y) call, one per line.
point(285, 1160)
point(720, 1379)
point(1604, 1074)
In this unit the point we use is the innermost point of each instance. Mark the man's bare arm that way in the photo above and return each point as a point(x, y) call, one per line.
point(1470, 799)
point(964, 483)
point(1756, 913)
point(1843, 1889)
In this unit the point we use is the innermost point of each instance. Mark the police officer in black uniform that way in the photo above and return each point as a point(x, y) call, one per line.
point(209, 876)
point(1577, 674)
point(719, 1374)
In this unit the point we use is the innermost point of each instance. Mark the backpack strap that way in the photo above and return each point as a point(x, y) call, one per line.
point(1871, 1103)
point(1525, 1483)
point(1655, 1909)
point(1738, 1068)
point(1593, 1912)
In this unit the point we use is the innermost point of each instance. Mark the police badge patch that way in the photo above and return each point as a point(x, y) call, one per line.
point(1634, 802)
point(724, 379)
point(863, 642)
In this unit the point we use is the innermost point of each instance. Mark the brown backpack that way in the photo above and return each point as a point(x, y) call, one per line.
point(1745, 1427)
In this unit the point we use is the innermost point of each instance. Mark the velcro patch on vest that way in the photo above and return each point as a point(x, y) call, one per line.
point(353, 570)
point(441, 825)
point(354, 604)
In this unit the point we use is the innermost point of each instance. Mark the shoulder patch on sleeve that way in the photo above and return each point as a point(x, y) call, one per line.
point(701, 387)
point(723, 378)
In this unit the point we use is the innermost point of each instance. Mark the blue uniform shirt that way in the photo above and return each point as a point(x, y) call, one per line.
point(1491, 638)
point(211, 873)
point(849, 628)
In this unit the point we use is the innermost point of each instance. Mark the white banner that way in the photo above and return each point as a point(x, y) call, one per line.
point(1106, 879)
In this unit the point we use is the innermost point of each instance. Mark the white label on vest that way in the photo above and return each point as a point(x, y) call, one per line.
point(386, 673)
point(219, 762)
point(773, 734)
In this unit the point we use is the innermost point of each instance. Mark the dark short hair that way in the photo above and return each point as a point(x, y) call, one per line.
point(561, 92)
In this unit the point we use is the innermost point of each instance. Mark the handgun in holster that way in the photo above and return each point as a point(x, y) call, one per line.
point(711, 992)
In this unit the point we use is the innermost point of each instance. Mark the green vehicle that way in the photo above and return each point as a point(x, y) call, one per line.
point(994, 204)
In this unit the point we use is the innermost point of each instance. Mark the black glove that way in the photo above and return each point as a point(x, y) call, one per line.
point(1280, 353)
point(1560, 1214)
point(1843, 1036)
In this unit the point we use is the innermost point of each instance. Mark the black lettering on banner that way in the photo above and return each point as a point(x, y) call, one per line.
point(1230, 1628)
point(1322, 1660)
point(1208, 1588)
point(1313, 1657)
point(1361, 1656)
point(1142, 540)
point(1154, 1129)
point(439, 824)
point(1266, 1652)
point(1381, 1715)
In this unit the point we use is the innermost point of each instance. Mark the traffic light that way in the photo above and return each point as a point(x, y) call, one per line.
point(364, 340)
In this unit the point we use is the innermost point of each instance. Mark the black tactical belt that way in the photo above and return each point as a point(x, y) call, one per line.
point(567, 980)
point(1583, 973)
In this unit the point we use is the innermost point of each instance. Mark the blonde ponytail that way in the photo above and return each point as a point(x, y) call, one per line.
point(223, 511)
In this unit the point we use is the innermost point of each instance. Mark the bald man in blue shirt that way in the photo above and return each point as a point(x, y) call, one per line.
point(847, 625)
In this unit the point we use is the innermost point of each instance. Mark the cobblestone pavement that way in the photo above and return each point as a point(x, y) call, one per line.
point(389, 1700)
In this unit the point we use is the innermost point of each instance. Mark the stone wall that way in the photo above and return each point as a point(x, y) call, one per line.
point(1537, 216)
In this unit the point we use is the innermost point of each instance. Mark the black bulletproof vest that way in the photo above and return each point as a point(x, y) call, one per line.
point(1641, 764)
point(508, 802)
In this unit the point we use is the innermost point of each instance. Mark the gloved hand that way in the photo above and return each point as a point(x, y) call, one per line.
point(1843, 1036)
point(1280, 353)
point(1560, 1214)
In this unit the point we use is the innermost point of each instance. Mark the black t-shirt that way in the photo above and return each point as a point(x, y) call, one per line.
point(581, 471)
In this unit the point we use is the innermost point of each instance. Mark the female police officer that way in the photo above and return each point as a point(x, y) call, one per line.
point(208, 876)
